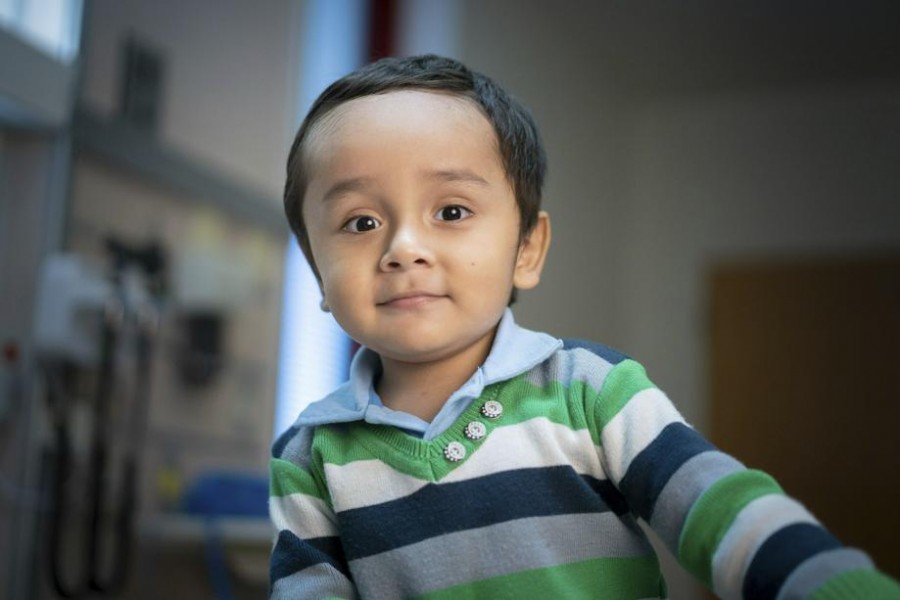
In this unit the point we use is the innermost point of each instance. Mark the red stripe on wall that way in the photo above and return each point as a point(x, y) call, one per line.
point(382, 19)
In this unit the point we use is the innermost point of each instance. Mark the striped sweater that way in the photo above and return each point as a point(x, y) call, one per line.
point(536, 491)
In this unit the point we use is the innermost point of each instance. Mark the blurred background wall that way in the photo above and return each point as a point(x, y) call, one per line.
point(169, 132)
point(683, 139)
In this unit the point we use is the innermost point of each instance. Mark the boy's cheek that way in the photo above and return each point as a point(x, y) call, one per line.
point(326, 254)
point(341, 275)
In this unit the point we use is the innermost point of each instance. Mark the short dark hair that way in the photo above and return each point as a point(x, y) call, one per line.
point(519, 141)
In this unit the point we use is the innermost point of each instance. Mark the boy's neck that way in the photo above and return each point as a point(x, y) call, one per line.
point(422, 389)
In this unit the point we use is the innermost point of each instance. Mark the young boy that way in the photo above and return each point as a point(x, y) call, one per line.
point(467, 457)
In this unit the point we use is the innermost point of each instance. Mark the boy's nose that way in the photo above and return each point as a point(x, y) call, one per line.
point(407, 248)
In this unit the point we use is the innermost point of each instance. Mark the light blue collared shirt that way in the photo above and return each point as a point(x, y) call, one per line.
point(514, 351)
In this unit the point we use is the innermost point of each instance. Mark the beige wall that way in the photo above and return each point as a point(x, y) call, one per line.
point(231, 77)
point(577, 109)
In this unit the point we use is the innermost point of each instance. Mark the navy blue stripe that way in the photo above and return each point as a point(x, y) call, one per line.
point(442, 508)
point(609, 493)
point(779, 555)
point(654, 466)
point(291, 554)
point(605, 352)
point(282, 441)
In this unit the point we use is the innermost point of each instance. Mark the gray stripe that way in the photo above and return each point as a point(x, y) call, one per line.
point(299, 449)
point(571, 365)
point(317, 581)
point(816, 570)
point(687, 484)
point(496, 550)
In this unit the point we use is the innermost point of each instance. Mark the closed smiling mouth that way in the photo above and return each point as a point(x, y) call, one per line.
point(410, 299)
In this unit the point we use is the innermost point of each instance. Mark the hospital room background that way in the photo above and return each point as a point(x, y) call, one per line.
point(724, 185)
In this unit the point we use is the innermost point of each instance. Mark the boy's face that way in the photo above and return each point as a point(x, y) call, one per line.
point(413, 224)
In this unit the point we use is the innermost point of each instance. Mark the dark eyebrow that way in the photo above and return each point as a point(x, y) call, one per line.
point(346, 186)
point(454, 175)
point(363, 183)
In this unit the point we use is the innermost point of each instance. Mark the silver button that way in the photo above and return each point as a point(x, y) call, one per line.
point(475, 430)
point(492, 409)
point(454, 452)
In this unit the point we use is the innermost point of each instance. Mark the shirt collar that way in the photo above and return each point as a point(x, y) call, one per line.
point(515, 350)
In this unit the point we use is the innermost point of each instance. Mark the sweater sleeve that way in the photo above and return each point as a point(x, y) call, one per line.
point(307, 558)
point(732, 527)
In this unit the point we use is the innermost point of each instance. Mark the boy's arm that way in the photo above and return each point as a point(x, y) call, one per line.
point(307, 558)
point(732, 527)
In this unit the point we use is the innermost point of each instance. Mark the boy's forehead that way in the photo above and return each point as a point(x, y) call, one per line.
point(418, 113)
point(411, 103)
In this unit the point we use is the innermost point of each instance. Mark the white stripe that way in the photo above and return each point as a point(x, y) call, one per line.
point(535, 443)
point(635, 426)
point(753, 525)
point(304, 516)
point(367, 482)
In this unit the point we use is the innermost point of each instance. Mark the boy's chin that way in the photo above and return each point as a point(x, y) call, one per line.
point(422, 353)
point(413, 355)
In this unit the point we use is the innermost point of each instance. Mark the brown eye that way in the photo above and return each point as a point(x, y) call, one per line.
point(361, 224)
point(453, 213)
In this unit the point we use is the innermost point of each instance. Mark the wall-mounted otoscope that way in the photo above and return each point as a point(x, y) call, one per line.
point(87, 320)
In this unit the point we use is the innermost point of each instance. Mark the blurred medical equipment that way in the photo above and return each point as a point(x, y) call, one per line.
point(96, 331)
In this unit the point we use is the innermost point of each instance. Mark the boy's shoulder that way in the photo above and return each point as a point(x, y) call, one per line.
point(578, 362)
point(296, 443)
point(607, 353)
point(293, 444)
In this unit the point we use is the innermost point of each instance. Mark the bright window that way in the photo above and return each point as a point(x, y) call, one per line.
point(315, 352)
point(53, 26)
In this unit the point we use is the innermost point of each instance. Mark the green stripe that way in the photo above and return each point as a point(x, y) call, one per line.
point(863, 583)
point(619, 578)
point(424, 459)
point(338, 443)
point(624, 381)
point(552, 402)
point(713, 514)
point(286, 478)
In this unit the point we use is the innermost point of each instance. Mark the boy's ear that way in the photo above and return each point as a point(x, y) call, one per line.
point(532, 253)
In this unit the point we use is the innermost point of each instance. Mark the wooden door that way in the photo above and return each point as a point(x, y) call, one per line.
point(805, 358)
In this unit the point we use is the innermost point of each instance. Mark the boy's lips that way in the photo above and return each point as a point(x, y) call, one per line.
point(412, 299)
